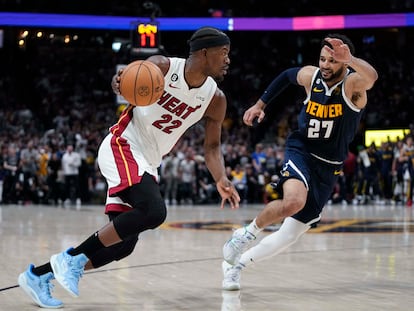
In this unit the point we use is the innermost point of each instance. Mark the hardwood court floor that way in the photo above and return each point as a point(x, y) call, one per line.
point(359, 258)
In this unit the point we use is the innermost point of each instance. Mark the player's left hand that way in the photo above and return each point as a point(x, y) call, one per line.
point(340, 51)
point(115, 82)
point(228, 193)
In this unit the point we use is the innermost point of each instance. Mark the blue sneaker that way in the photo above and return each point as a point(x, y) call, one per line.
point(68, 270)
point(39, 288)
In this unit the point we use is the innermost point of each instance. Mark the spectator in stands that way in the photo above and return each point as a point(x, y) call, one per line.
point(405, 160)
point(55, 180)
point(71, 162)
point(29, 164)
point(187, 175)
point(13, 176)
point(169, 177)
point(238, 179)
point(386, 158)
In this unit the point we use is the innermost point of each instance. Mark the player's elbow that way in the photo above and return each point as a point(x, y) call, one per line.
point(372, 78)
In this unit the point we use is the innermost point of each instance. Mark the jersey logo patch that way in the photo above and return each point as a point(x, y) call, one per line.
point(173, 86)
point(316, 90)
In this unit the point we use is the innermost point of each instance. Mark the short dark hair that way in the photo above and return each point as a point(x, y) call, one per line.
point(344, 39)
point(207, 37)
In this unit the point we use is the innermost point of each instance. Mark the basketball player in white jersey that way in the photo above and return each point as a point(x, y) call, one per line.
point(130, 155)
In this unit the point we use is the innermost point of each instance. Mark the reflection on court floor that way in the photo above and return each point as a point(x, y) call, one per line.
point(357, 258)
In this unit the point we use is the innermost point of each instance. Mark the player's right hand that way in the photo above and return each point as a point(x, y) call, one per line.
point(228, 193)
point(254, 115)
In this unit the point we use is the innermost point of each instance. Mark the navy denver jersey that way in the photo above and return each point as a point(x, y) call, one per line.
point(328, 120)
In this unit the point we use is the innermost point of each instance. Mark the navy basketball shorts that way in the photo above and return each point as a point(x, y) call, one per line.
point(318, 176)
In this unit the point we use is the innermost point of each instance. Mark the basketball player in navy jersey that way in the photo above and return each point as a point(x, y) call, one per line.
point(314, 153)
point(129, 158)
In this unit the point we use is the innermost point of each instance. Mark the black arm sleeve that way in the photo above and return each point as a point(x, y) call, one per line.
point(279, 84)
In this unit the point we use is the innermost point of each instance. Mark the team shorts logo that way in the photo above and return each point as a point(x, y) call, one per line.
point(285, 174)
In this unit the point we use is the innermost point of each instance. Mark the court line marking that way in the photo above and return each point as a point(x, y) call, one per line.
point(220, 258)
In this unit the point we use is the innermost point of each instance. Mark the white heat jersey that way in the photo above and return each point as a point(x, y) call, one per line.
point(143, 135)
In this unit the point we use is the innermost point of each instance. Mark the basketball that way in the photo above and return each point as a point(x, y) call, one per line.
point(142, 83)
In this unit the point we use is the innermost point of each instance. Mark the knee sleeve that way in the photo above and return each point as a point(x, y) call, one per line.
point(148, 208)
point(273, 244)
point(138, 220)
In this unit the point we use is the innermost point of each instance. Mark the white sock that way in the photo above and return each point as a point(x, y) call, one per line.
point(273, 244)
point(253, 228)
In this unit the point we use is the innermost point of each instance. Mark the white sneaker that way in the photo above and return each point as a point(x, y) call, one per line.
point(234, 248)
point(231, 280)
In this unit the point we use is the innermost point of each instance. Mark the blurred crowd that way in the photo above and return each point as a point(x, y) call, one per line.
point(37, 172)
point(56, 104)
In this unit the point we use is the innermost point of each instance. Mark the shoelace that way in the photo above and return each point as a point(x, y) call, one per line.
point(234, 274)
point(241, 241)
point(48, 286)
point(77, 272)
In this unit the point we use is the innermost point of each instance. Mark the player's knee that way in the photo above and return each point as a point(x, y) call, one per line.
point(292, 205)
point(156, 214)
point(139, 219)
point(292, 229)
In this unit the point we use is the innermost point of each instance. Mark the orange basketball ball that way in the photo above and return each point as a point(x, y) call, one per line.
point(142, 83)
